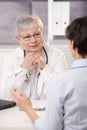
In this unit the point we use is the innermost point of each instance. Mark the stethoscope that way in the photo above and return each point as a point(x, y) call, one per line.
point(38, 75)
point(46, 59)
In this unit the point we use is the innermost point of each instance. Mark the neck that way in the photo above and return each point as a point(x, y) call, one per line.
point(81, 57)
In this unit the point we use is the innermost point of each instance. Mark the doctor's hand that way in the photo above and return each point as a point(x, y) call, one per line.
point(40, 63)
point(29, 59)
point(21, 100)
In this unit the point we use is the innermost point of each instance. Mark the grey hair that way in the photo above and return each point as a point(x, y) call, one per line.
point(25, 22)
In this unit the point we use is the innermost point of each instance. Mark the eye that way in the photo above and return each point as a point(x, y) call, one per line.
point(37, 34)
point(27, 37)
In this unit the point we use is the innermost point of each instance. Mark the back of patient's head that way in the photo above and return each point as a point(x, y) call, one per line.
point(25, 22)
point(77, 32)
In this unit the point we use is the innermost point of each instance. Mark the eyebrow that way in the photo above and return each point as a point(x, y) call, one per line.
point(30, 34)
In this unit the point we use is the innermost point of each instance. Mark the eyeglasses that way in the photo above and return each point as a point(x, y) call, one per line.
point(28, 38)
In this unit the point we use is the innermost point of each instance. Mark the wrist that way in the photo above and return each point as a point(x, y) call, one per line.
point(29, 108)
point(24, 66)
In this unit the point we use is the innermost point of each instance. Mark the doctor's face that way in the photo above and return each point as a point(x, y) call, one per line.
point(31, 40)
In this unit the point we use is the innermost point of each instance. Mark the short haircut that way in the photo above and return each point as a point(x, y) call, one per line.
point(77, 31)
point(25, 22)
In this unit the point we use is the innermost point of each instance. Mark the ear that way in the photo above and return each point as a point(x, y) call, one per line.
point(17, 38)
point(73, 49)
point(72, 45)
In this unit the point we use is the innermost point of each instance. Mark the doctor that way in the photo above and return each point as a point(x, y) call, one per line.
point(33, 64)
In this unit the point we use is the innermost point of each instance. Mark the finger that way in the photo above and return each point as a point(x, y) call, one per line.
point(39, 61)
point(25, 98)
point(14, 89)
point(13, 92)
point(15, 95)
point(23, 95)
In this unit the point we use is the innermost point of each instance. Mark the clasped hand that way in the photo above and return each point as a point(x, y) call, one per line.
point(32, 59)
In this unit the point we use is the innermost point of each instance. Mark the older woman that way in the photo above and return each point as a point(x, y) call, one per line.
point(33, 64)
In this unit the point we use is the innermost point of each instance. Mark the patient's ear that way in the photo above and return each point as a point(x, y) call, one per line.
point(72, 48)
point(72, 45)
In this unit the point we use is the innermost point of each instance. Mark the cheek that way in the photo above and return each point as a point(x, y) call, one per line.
point(42, 38)
point(41, 41)
point(22, 45)
point(41, 45)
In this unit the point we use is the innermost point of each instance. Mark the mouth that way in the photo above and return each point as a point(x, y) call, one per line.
point(33, 46)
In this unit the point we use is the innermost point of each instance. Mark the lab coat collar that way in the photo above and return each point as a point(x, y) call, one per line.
point(19, 53)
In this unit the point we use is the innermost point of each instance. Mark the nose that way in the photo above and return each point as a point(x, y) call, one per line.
point(33, 39)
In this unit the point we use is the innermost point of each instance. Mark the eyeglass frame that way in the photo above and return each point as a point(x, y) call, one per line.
point(28, 38)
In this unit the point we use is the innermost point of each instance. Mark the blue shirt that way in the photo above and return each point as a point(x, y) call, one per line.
point(66, 102)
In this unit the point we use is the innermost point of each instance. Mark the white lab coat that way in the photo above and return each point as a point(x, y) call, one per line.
point(15, 76)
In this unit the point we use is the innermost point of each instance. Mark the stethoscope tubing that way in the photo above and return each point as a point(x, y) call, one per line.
point(46, 55)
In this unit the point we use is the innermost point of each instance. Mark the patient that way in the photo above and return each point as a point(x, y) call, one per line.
point(66, 102)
